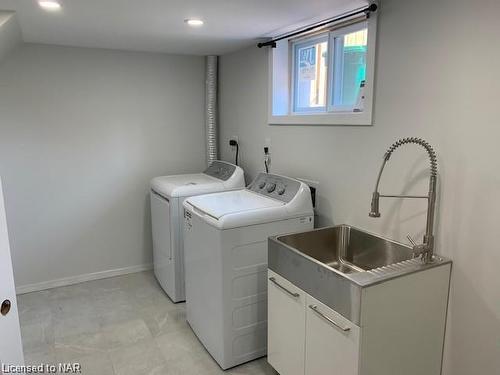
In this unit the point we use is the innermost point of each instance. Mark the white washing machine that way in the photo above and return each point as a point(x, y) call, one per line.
point(167, 195)
point(225, 249)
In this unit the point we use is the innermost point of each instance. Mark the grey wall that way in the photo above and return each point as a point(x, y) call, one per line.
point(437, 78)
point(10, 33)
point(82, 131)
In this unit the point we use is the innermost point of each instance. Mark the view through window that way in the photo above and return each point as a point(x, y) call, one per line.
point(330, 71)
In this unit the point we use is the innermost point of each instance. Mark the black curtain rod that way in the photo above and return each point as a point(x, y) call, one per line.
point(369, 9)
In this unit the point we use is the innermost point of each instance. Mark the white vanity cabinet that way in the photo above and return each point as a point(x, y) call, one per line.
point(305, 336)
point(332, 341)
point(400, 331)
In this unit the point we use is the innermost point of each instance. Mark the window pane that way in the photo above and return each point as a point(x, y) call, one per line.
point(349, 70)
point(310, 75)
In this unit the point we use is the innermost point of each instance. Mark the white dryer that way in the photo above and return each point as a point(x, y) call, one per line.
point(225, 249)
point(167, 195)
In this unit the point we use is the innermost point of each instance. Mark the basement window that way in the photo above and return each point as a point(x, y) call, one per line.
point(325, 78)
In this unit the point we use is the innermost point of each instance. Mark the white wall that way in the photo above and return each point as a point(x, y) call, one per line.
point(437, 78)
point(10, 33)
point(82, 131)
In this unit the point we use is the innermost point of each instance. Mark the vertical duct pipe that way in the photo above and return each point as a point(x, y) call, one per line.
point(211, 108)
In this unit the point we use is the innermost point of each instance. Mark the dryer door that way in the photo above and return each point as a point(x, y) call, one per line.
point(162, 241)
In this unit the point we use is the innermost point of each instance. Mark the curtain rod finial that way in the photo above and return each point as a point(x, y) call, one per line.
point(372, 7)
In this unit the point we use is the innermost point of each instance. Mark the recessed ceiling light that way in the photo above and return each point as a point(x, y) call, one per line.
point(49, 4)
point(194, 22)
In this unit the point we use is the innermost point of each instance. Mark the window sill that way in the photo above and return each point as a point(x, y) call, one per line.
point(346, 119)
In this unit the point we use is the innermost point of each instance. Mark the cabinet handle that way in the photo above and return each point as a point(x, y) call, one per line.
point(273, 280)
point(316, 310)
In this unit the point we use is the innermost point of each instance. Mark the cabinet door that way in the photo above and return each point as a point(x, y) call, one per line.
point(286, 325)
point(332, 341)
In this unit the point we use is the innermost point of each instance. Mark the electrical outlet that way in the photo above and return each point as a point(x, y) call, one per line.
point(234, 138)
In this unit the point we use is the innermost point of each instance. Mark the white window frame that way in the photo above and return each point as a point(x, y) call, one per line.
point(331, 108)
point(281, 85)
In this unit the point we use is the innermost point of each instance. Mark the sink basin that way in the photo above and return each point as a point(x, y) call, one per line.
point(335, 264)
point(348, 249)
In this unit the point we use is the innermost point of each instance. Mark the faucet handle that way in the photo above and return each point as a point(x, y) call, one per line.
point(421, 251)
point(418, 250)
point(412, 241)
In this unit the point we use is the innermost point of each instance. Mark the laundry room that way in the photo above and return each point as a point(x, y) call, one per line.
point(249, 187)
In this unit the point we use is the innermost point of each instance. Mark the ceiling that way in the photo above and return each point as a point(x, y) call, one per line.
point(158, 25)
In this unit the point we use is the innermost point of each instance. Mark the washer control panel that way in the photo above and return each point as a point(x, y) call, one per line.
point(220, 170)
point(277, 187)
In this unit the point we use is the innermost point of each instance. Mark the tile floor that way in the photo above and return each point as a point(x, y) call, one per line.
point(121, 326)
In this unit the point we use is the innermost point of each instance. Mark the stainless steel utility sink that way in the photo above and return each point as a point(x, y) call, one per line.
point(348, 249)
point(334, 264)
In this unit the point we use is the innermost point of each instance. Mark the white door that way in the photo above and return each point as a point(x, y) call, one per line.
point(332, 341)
point(11, 350)
point(286, 325)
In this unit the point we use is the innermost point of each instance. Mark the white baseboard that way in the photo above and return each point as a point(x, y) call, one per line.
point(81, 278)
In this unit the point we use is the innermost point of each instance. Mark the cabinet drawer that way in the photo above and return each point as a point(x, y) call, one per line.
point(332, 341)
point(286, 325)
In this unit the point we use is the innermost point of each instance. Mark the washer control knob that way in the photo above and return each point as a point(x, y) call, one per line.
point(262, 184)
point(281, 189)
point(271, 187)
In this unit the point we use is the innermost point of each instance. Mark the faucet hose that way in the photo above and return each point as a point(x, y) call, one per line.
point(417, 141)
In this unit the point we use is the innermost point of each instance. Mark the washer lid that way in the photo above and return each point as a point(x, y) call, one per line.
point(237, 202)
point(186, 185)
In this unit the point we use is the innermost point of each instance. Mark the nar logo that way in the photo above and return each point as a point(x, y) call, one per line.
point(70, 368)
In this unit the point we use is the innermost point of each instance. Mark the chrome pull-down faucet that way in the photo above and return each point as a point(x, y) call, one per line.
point(426, 249)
